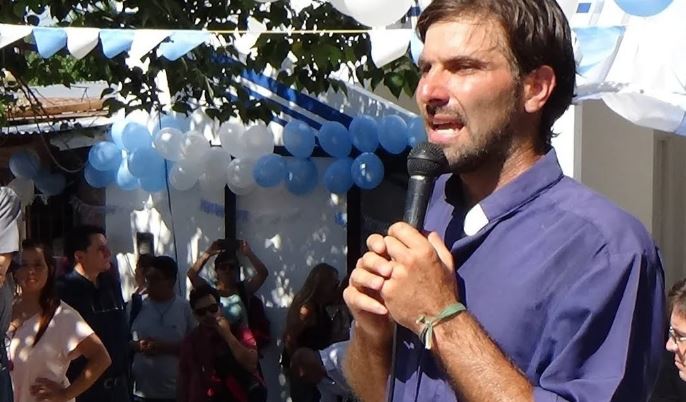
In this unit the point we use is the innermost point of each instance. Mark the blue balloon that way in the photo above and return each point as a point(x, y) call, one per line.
point(334, 139)
point(154, 182)
point(367, 171)
point(337, 177)
point(117, 132)
point(364, 133)
point(125, 179)
point(104, 155)
point(269, 170)
point(393, 134)
point(416, 131)
point(643, 8)
point(24, 164)
point(302, 176)
point(144, 162)
point(298, 138)
point(136, 136)
point(172, 121)
point(98, 178)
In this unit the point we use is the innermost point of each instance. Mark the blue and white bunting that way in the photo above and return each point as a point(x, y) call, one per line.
point(80, 41)
point(49, 40)
point(12, 33)
point(116, 41)
point(182, 42)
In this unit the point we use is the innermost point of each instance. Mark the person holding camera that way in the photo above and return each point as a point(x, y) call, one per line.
point(232, 290)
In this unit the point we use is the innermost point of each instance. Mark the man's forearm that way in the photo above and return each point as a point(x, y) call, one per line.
point(198, 265)
point(475, 366)
point(367, 365)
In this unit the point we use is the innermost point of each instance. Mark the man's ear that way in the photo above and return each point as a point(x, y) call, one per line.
point(538, 85)
point(78, 255)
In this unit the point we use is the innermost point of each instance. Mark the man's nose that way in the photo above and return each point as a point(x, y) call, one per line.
point(432, 90)
point(671, 345)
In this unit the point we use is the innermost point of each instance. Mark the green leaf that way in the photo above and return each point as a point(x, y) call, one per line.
point(394, 82)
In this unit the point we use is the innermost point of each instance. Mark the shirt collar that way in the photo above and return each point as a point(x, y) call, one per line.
point(543, 174)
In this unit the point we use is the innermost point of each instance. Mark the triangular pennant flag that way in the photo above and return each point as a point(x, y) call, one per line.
point(145, 40)
point(80, 41)
point(12, 33)
point(49, 40)
point(182, 42)
point(389, 44)
point(116, 41)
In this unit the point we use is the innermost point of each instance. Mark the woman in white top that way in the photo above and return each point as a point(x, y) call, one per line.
point(47, 334)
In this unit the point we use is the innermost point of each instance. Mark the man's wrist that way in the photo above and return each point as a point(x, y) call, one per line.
point(452, 326)
point(378, 339)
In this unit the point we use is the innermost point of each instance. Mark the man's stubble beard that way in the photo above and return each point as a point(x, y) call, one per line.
point(486, 148)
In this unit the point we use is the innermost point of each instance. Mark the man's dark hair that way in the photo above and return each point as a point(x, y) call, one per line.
point(537, 34)
point(167, 266)
point(79, 239)
point(676, 298)
point(202, 291)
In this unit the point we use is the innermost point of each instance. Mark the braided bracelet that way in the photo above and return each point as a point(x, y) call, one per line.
point(427, 333)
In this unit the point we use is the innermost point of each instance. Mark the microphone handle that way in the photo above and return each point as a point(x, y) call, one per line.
point(418, 193)
point(419, 190)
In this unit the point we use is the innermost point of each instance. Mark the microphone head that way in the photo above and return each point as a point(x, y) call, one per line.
point(427, 159)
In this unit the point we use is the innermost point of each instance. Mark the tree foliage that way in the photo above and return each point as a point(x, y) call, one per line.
point(208, 73)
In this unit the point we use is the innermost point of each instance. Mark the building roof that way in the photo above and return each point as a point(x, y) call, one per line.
point(60, 109)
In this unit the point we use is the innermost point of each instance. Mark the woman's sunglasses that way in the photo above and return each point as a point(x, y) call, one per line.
point(212, 308)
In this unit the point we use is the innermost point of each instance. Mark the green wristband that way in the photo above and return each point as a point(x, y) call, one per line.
point(427, 333)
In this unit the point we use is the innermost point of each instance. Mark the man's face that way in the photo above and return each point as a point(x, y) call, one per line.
point(158, 285)
point(5, 260)
point(97, 256)
point(467, 93)
point(676, 342)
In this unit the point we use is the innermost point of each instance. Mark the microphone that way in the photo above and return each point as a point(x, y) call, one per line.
point(425, 162)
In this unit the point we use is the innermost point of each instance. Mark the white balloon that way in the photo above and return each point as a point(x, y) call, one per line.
point(184, 175)
point(230, 136)
point(24, 188)
point(256, 141)
point(374, 13)
point(195, 147)
point(241, 190)
point(168, 142)
point(239, 173)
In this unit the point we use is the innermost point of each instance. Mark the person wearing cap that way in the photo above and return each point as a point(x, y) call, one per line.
point(10, 212)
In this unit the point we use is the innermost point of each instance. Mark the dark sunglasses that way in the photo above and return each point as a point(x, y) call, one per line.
point(212, 308)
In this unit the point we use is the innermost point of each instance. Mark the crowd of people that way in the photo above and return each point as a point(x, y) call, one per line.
point(71, 336)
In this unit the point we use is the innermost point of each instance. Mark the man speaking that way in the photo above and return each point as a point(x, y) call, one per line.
point(529, 286)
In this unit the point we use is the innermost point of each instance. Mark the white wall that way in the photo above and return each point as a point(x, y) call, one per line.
point(642, 170)
point(289, 234)
point(618, 160)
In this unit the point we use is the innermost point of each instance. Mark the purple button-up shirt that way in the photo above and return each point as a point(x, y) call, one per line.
point(568, 285)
